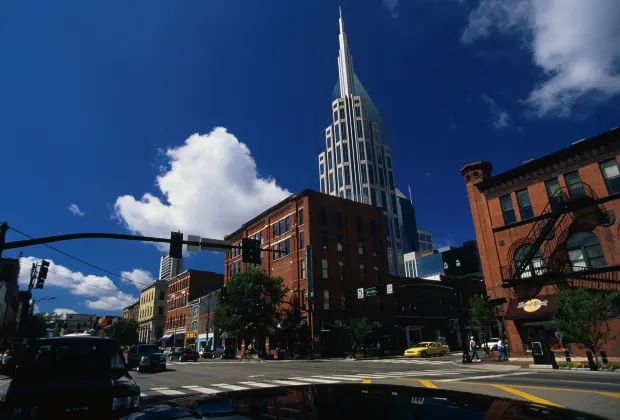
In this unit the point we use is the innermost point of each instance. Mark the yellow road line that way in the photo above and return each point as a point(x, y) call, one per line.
point(428, 384)
point(609, 394)
point(525, 395)
point(366, 381)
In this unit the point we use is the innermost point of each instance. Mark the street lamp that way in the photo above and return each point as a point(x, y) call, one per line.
point(34, 301)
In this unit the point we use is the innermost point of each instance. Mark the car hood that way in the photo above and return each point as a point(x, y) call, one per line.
point(417, 348)
point(337, 401)
point(152, 356)
point(25, 387)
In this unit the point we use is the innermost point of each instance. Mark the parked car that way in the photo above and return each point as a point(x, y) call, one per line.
point(492, 343)
point(71, 377)
point(183, 354)
point(145, 357)
point(427, 348)
point(223, 352)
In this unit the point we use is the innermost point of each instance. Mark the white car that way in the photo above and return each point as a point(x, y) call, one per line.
point(492, 343)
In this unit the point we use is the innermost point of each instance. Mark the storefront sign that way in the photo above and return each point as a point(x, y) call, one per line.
point(532, 305)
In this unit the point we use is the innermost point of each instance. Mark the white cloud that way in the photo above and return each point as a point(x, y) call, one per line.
point(63, 311)
point(501, 118)
point(391, 6)
point(138, 277)
point(107, 295)
point(73, 208)
point(209, 188)
point(575, 43)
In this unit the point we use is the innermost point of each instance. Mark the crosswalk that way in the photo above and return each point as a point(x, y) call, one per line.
point(309, 380)
point(407, 361)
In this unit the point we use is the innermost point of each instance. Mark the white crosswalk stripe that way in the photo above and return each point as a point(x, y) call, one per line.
point(408, 361)
point(312, 380)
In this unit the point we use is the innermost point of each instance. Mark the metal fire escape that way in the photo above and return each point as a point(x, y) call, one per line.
point(571, 208)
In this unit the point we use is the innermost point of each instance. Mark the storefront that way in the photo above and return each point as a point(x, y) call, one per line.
point(190, 339)
point(533, 322)
point(202, 341)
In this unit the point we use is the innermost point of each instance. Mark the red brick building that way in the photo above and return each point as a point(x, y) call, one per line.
point(348, 247)
point(548, 224)
point(182, 289)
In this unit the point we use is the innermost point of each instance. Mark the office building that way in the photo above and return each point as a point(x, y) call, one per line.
point(449, 261)
point(410, 229)
point(170, 267)
point(546, 225)
point(425, 241)
point(357, 161)
point(132, 311)
point(152, 314)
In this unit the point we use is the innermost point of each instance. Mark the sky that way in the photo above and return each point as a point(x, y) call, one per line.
point(150, 116)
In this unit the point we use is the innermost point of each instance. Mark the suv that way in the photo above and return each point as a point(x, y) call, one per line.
point(183, 354)
point(69, 377)
point(145, 357)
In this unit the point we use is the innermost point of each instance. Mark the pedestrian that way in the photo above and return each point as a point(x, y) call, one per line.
point(500, 349)
point(473, 349)
point(353, 350)
point(379, 353)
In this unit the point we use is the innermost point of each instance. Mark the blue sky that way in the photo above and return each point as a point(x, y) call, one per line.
point(99, 104)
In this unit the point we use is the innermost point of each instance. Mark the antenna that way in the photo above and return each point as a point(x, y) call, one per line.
point(410, 199)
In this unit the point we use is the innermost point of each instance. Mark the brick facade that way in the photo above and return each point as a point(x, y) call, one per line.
point(586, 205)
point(182, 289)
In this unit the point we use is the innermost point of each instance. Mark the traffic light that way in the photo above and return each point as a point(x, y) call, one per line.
point(42, 274)
point(250, 251)
point(176, 245)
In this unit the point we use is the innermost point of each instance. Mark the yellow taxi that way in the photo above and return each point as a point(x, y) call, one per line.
point(427, 348)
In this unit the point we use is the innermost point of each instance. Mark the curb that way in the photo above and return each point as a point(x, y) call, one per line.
point(575, 372)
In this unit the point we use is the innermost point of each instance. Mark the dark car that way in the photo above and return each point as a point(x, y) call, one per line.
point(145, 357)
point(183, 354)
point(222, 352)
point(71, 377)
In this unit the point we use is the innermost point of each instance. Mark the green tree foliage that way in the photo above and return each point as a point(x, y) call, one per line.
point(243, 308)
point(53, 322)
point(34, 326)
point(359, 330)
point(481, 312)
point(124, 331)
point(583, 316)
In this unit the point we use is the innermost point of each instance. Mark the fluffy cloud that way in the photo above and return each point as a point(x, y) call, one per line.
point(137, 277)
point(105, 293)
point(63, 311)
point(575, 43)
point(501, 117)
point(73, 208)
point(209, 187)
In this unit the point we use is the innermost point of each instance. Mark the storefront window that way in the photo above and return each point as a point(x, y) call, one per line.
point(544, 332)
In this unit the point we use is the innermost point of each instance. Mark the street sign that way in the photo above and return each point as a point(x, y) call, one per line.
point(360, 293)
point(207, 244)
point(193, 248)
point(372, 291)
point(390, 289)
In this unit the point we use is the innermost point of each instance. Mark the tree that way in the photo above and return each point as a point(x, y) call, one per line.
point(251, 304)
point(124, 331)
point(53, 322)
point(34, 326)
point(481, 312)
point(359, 330)
point(583, 316)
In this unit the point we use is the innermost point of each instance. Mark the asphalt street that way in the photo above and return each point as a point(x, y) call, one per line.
point(596, 393)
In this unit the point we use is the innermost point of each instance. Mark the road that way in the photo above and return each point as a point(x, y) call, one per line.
point(596, 393)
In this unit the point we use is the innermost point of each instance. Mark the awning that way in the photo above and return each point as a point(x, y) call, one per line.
point(539, 307)
point(166, 337)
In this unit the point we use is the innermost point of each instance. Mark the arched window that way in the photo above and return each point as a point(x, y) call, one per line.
point(534, 266)
point(585, 251)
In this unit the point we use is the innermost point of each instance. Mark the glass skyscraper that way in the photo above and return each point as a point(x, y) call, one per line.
point(357, 162)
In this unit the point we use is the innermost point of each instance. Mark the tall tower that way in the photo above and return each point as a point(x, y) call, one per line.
point(357, 162)
point(170, 267)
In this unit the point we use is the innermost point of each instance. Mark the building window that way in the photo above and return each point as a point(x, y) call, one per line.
point(574, 185)
point(329, 142)
point(196, 311)
point(507, 209)
point(335, 116)
point(381, 180)
point(360, 132)
point(322, 168)
point(337, 133)
point(525, 205)
point(347, 176)
point(338, 156)
point(183, 300)
point(340, 183)
point(345, 152)
point(585, 251)
point(300, 218)
point(373, 227)
point(276, 230)
point(324, 239)
point(536, 265)
point(371, 176)
point(396, 228)
point(282, 227)
point(360, 246)
point(611, 175)
point(348, 194)
point(323, 185)
point(358, 224)
point(302, 268)
point(287, 223)
point(302, 242)
point(339, 244)
point(326, 299)
point(338, 220)
point(343, 131)
point(394, 208)
point(554, 192)
point(374, 248)
point(329, 160)
point(361, 150)
point(194, 325)
point(341, 270)
point(364, 175)
point(160, 310)
point(262, 236)
point(331, 182)
point(388, 159)
point(325, 269)
point(362, 273)
point(342, 113)
point(375, 273)
point(386, 224)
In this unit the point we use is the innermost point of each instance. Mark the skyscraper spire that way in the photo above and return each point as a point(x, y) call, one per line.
point(345, 63)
